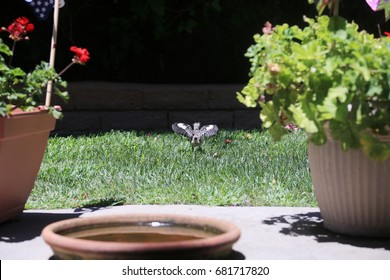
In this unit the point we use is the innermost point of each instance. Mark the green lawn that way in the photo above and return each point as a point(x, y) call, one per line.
point(138, 168)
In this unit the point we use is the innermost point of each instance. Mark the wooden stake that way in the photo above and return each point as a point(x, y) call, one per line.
point(53, 49)
point(336, 4)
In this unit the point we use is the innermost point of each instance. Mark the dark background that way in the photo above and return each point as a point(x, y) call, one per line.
point(164, 41)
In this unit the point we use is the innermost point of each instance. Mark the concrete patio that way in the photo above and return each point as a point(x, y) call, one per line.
point(268, 233)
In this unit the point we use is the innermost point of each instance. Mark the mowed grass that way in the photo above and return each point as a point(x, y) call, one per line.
point(160, 168)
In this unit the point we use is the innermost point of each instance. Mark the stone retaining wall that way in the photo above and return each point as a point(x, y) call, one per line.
point(104, 106)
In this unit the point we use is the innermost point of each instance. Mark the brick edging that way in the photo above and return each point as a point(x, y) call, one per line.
point(103, 106)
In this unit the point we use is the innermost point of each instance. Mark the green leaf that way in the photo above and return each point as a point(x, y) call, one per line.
point(305, 52)
point(4, 49)
point(346, 134)
point(364, 71)
point(359, 115)
point(63, 94)
point(322, 83)
point(387, 11)
point(249, 95)
point(318, 138)
point(277, 131)
point(246, 100)
point(55, 113)
point(3, 110)
point(268, 114)
point(17, 72)
point(374, 90)
point(331, 108)
point(337, 23)
point(375, 149)
point(302, 120)
point(321, 5)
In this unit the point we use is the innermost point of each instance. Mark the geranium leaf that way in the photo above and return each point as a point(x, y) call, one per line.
point(337, 23)
point(344, 133)
point(302, 120)
point(4, 49)
point(329, 108)
point(249, 95)
point(277, 131)
point(375, 149)
point(268, 114)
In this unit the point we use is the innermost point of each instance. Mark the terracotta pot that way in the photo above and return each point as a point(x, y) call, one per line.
point(23, 140)
point(352, 191)
point(141, 236)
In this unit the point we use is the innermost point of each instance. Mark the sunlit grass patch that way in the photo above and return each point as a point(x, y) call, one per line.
point(160, 168)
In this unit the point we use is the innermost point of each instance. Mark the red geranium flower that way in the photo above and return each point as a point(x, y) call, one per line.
point(387, 34)
point(81, 55)
point(18, 29)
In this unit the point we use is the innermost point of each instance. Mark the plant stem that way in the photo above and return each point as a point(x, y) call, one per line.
point(379, 30)
point(66, 68)
point(13, 51)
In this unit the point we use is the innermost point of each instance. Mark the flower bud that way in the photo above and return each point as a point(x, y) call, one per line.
point(274, 68)
point(267, 29)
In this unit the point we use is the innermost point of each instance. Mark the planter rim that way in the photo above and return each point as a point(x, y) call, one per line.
point(19, 112)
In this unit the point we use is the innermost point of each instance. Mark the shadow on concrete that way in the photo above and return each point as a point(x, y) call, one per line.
point(234, 255)
point(311, 224)
point(27, 226)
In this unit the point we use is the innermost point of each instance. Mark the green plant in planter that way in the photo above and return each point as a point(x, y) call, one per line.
point(23, 137)
point(328, 74)
point(22, 90)
point(19, 89)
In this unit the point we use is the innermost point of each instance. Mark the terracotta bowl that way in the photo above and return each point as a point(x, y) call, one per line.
point(141, 236)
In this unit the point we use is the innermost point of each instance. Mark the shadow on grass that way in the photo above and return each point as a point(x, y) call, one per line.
point(311, 224)
point(96, 204)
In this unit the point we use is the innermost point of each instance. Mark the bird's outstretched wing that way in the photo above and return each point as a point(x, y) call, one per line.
point(183, 129)
point(209, 130)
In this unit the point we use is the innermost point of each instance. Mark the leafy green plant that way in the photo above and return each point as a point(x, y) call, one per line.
point(22, 90)
point(326, 74)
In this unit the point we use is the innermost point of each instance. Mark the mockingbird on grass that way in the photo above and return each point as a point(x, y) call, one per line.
point(195, 134)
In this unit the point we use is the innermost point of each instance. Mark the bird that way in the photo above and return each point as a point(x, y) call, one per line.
point(195, 134)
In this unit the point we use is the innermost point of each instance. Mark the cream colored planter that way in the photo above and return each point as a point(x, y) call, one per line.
point(352, 191)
